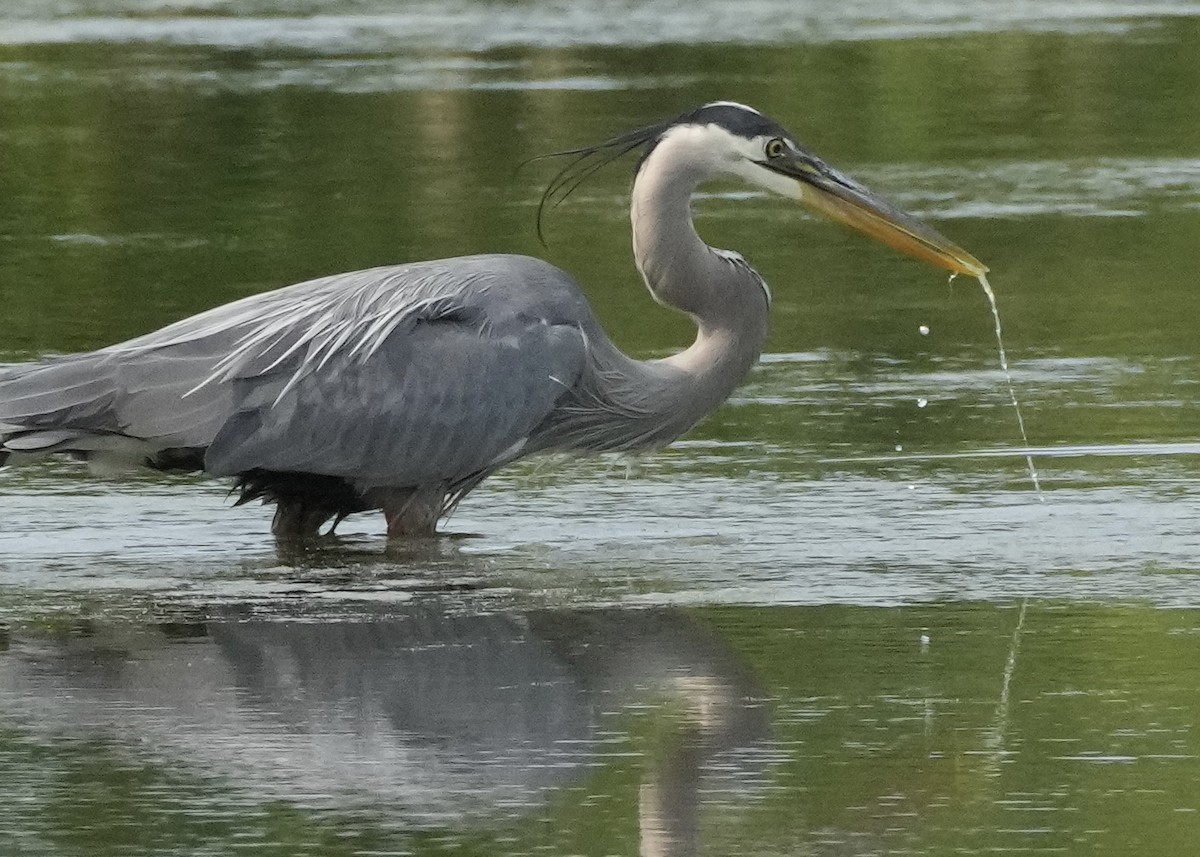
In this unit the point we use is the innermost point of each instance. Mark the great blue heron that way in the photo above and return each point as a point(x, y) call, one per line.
point(401, 388)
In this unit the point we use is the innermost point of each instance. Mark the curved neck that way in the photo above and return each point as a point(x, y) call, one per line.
point(725, 298)
point(626, 404)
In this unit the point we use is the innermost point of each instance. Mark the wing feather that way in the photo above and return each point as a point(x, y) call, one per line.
point(439, 403)
point(407, 372)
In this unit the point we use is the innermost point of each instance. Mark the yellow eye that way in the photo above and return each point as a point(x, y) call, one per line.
point(775, 148)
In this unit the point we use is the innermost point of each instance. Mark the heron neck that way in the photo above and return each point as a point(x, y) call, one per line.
point(725, 299)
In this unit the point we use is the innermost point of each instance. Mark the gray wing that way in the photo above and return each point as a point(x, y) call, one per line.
point(392, 376)
point(108, 402)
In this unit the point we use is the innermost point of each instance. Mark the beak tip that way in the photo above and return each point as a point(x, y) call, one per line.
point(974, 267)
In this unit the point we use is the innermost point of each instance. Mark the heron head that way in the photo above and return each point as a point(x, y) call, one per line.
point(738, 140)
point(732, 139)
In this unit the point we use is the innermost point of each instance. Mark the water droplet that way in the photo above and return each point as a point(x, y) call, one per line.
point(924, 329)
point(922, 402)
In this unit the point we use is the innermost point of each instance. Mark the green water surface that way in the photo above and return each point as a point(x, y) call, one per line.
point(835, 619)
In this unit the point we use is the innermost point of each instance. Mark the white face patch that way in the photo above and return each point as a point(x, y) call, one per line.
point(750, 167)
point(714, 151)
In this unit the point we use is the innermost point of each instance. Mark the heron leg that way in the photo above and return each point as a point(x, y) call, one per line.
point(414, 512)
point(298, 521)
point(304, 502)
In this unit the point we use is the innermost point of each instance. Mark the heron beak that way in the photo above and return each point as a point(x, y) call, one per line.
point(844, 200)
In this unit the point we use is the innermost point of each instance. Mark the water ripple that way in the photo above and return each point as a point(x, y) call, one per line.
point(1099, 187)
point(365, 26)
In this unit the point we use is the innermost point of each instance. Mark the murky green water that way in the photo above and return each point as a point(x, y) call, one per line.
point(834, 620)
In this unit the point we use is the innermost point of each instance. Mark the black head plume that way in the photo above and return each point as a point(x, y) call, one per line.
point(735, 118)
point(587, 160)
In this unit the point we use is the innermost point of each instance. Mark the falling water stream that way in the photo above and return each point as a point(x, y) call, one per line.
point(1012, 390)
point(1011, 663)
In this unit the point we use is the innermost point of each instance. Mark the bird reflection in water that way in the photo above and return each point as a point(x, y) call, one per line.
point(420, 719)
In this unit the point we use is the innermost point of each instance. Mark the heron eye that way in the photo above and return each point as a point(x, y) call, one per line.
point(775, 148)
